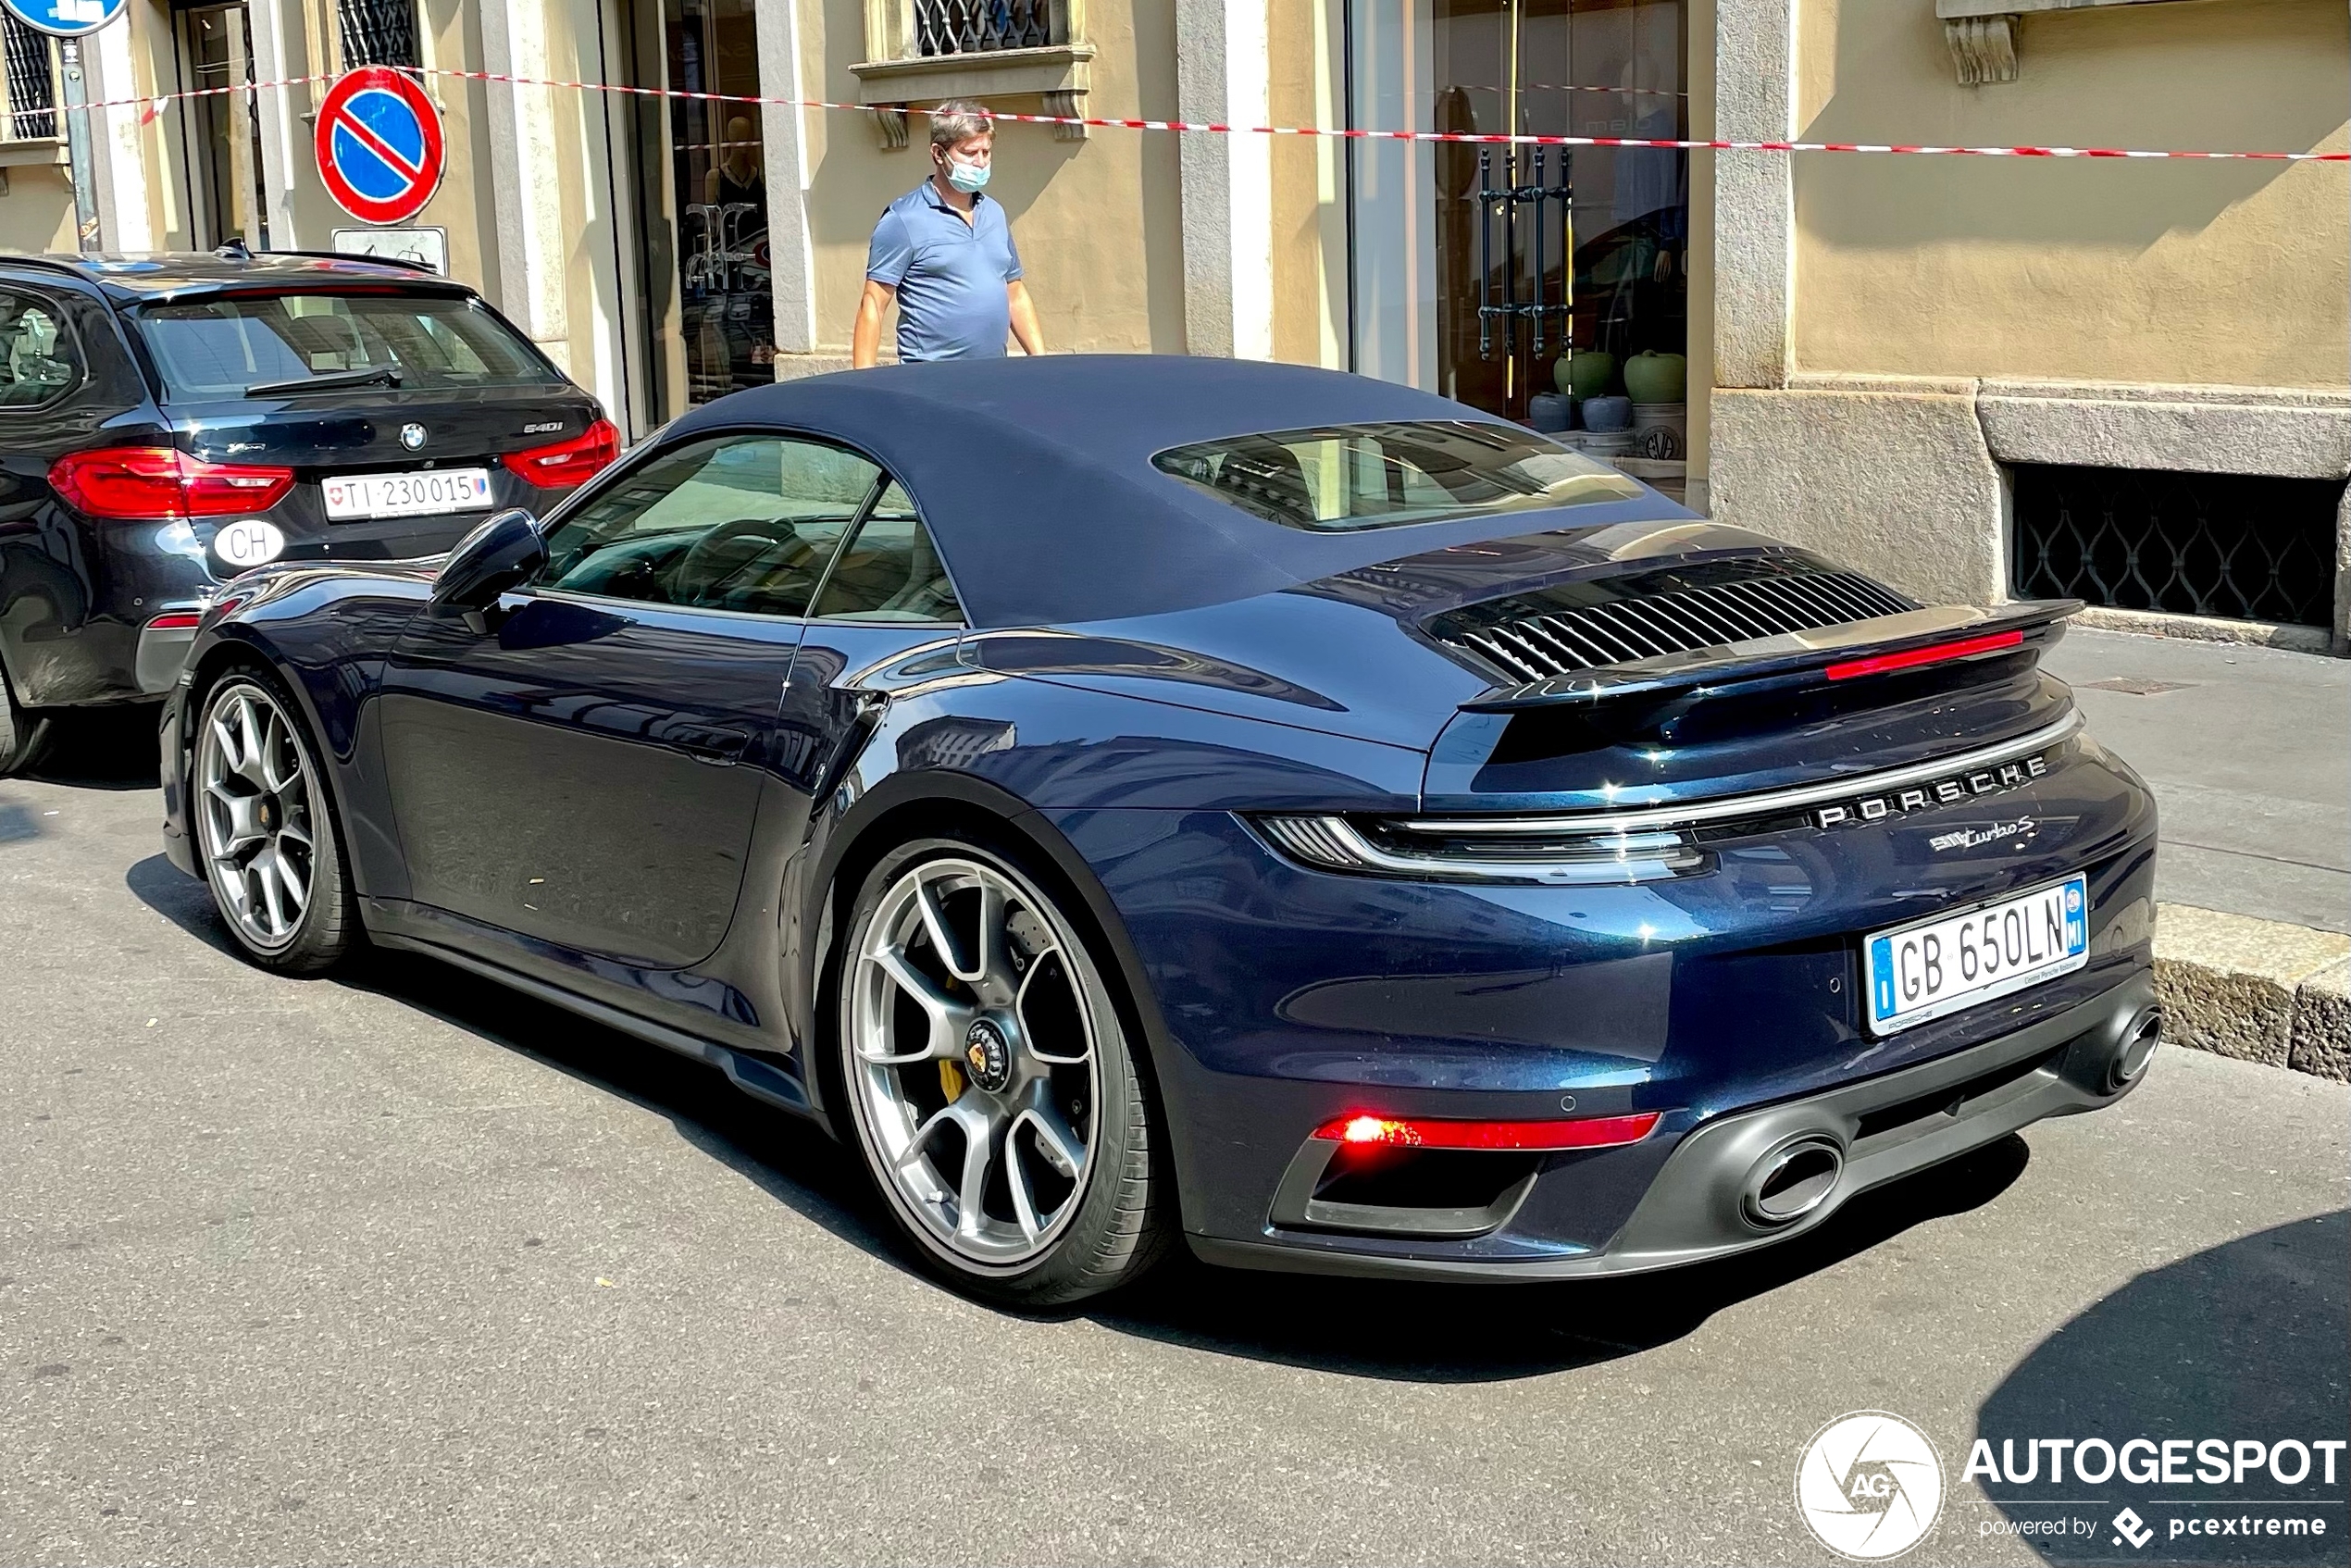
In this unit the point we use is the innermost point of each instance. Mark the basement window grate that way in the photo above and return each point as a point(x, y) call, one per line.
point(2238, 546)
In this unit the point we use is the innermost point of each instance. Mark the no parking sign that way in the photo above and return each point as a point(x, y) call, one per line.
point(379, 144)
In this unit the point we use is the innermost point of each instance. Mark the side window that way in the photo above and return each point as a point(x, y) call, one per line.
point(890, 571)
point(37, 358)
point(731, 523)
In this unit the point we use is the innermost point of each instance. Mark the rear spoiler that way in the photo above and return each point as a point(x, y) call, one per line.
point(1882, 644)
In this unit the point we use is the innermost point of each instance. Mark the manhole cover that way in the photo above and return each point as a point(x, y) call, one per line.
point(2137, 686)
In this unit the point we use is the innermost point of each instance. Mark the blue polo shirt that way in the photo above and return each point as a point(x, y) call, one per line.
point(949, 275)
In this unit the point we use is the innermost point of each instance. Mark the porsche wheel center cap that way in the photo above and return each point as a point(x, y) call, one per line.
point(988, 1057)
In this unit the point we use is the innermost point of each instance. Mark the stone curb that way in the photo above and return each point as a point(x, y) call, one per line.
point(2259, 991)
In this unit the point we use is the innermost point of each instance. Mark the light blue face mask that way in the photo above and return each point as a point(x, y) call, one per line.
point(967, 176)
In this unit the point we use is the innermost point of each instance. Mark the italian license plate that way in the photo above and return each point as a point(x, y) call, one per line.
point(1930, 969)
point(406, 495)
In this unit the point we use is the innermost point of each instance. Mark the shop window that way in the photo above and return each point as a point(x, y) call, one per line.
point(2238, 546)
point(31, 83)
point(703, 165)
point(1531, 283)
point(379, 32)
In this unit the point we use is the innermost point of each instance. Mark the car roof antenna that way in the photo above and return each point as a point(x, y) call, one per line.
point(235, 250)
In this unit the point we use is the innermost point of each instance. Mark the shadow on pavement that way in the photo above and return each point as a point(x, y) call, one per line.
point(105, 748)
point(1464, 1333)
point(2250, 1340)
point(790, 1159)
point(1440, 1333)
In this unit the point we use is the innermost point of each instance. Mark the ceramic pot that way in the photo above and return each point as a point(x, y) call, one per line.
point(1652, 377)
point(1660, 429)
point(1607, 413)
point(1550, 413)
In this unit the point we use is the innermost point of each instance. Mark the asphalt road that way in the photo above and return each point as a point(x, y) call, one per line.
point(393, 1267)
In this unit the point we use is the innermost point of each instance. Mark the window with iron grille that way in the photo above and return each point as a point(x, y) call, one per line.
point(971, 27)
point(32, 97)
point(2243, 547)
point(379, 32)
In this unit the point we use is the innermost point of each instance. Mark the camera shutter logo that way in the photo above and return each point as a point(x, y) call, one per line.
point(1870, 1485)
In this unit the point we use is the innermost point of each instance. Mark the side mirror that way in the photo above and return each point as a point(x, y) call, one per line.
point(500, 554)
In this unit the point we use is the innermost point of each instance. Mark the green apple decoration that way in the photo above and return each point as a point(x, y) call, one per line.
point(1585, 374)
point(1652, 377)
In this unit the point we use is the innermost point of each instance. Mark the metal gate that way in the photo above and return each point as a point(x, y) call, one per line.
point(2243, 547)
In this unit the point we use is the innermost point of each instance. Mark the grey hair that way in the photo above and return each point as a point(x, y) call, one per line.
point(959, 119)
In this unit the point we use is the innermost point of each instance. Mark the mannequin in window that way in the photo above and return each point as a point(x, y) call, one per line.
point(737, 175)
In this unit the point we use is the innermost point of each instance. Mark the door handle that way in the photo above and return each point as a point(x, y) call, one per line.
point(721, 748)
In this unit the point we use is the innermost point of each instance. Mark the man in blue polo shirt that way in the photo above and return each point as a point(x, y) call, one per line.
point(944, 252)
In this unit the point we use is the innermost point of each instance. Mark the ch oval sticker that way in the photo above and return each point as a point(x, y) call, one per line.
point(248, 544)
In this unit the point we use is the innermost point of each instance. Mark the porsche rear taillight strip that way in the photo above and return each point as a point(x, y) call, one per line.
point(1738, 807)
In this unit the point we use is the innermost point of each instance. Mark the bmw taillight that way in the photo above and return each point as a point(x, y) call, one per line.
point(158, 483)
point(560, 464)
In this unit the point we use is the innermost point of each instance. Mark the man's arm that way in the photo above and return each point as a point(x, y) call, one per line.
point(865, 342)
point(1025, 331)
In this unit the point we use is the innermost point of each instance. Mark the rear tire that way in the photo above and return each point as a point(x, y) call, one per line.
point(990, 1083)
point(22, 733)
point(265, 830)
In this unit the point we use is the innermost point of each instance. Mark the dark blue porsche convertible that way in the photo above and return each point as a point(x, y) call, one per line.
point(1131, 799)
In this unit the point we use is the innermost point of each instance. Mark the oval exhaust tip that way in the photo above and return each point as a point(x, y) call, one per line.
point(2136, 1048)
point(1791, 1181)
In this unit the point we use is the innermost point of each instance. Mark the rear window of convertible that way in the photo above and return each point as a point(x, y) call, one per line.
point(1337, 479)
point(230, 346)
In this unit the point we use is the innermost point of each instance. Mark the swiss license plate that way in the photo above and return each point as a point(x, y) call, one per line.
point(406, 495)
point(1930, 969)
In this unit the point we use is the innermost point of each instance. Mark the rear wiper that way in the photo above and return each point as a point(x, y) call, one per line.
point(374, 375)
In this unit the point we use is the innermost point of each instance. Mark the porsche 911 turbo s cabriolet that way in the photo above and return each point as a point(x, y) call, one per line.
point(1130, 800)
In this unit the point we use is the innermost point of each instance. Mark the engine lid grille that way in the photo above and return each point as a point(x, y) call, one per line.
point(1620, 620)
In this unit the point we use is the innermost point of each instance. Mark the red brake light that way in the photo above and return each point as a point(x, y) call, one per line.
point(177, 620)
point(1966, 647)
point(157, 484)
point(560, 464)
point(1363, 1128)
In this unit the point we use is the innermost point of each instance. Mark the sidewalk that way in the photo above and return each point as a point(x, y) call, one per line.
point(2248, 751)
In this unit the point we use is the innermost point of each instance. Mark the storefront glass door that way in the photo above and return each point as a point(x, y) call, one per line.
point(1479, 271)
point(223, 130)
point(702, 189)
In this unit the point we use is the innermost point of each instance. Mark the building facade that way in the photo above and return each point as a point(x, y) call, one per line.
point(1977, 377)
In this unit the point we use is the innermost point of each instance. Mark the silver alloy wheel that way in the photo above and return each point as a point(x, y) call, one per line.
point(973, 1050)
point(258, 817)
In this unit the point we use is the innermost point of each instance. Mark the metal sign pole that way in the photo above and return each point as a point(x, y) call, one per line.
point(85, 189)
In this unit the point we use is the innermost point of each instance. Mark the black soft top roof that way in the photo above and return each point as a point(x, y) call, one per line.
point(1036, 478)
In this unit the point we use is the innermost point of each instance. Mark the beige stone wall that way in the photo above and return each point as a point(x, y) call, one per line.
point(37, 213)
point(1306, 86)
point(1098, 221)
point(2210, 273)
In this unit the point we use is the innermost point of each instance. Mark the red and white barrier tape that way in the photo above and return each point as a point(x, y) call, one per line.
point(152, 104)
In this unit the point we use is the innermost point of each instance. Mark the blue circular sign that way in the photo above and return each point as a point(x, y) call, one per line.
point(65, 18)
